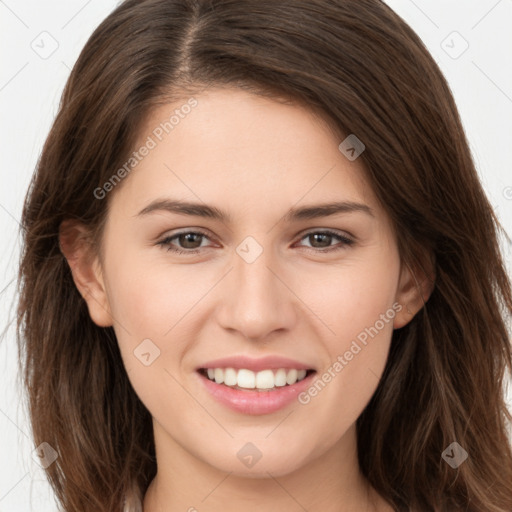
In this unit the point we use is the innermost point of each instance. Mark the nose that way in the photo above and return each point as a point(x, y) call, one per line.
point(255, 298)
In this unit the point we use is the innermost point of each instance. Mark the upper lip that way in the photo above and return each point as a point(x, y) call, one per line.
point(256, 365)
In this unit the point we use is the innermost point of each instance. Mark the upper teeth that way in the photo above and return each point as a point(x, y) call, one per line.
point(266, 379)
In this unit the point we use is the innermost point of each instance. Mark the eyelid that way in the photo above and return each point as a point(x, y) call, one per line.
point(332, 231)
point(165, 241)
point(346, 240)
point(299, 236)
point(173, 234)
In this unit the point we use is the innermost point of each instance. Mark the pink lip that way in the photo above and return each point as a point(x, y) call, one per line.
point(255, 402)
point(256, 365)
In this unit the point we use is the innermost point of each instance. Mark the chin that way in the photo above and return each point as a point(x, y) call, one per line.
point(257, 459)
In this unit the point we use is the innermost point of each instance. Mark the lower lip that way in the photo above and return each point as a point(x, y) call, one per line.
point(256, 402)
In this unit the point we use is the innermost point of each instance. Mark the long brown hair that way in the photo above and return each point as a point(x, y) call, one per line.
point(369, 73)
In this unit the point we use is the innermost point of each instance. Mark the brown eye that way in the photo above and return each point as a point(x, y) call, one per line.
point(187, 242)
point(323, 240)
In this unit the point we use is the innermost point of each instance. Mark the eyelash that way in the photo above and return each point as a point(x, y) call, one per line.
point(346, 242)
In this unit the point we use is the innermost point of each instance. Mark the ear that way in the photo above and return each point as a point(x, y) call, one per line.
point(75, 245)
point(414, 289)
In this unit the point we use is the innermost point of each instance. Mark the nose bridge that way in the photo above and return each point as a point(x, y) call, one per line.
point(257, 302)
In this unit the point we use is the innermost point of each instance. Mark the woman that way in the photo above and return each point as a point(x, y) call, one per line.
point(260, 271)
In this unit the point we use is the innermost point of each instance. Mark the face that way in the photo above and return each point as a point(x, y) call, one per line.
point(252, 273)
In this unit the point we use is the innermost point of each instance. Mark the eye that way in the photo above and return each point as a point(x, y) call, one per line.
point(191, 241)
point(188, 240)
point(320, 241)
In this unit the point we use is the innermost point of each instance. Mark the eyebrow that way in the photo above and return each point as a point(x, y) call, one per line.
point(294, 214)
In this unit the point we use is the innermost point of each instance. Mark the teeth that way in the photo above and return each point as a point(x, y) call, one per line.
point(280, 377)
point(230, 377)
point(291, 377)
point(247, 379)
point(219, 375)
point(264, 379)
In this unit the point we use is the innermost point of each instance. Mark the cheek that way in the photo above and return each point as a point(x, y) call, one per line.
point(357, 307)
point(351, 297)
point(150, 299)
point(149, 304)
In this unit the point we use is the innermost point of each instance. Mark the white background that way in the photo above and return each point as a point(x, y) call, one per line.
point(30, 88)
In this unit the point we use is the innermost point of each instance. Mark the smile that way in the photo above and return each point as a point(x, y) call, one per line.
point(264, 380)
point(251, 399)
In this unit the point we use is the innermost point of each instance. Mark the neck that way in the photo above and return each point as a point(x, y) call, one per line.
point(331, 482)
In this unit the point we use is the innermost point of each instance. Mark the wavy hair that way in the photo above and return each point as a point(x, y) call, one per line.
point(362, 66)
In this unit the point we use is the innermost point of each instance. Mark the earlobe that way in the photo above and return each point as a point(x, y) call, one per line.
point(414, 289)
point(76, 247)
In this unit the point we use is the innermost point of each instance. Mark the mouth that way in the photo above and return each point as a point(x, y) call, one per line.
point(264, 381)
point(255, 392)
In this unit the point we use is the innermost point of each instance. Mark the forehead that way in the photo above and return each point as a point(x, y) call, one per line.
point(245, 151)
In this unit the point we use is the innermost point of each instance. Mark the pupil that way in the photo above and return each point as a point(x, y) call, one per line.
point(317, 235)
point(188, 238)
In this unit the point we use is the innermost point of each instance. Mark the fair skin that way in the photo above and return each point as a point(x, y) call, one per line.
point(253, 158)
